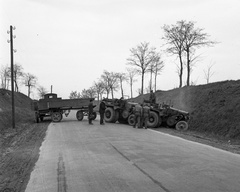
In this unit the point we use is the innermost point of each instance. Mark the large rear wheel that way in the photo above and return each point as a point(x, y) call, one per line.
point(109, 115)
point(153, 120)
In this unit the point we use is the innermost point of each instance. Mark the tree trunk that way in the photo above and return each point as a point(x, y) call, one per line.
point(131, 89)
point(180, 70)
point(142, 82)
point(155, 79)
point(151, 80)
point(28, 91)
point(188, 68)
point(121, 88)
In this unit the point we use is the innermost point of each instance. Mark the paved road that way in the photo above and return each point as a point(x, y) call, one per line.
point(77, 157)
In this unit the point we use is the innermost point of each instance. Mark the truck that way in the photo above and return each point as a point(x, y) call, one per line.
point(54, 107)
point(160, 114)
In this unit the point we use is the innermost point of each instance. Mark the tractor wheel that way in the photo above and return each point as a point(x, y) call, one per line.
point(79, 115)
point(171, 121)
point(109, 115)
point(94, 114)
point(153, 120)
point(131, 120)
point(56, 116)
point(182, 126)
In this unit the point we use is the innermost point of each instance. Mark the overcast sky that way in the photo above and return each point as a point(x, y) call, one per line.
point(69, 43)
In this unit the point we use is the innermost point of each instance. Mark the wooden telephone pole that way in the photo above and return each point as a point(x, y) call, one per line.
point(12, 74)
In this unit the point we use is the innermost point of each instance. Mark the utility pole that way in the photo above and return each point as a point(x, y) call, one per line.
point(12, 74)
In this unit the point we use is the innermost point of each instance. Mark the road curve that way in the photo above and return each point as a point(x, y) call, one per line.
point(77, 157)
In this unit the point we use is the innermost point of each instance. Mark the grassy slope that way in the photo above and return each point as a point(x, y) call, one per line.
point(23, 110)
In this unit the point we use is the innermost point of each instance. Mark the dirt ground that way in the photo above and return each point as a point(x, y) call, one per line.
point(20, 151)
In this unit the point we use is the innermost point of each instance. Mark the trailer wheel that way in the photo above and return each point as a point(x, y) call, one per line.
point(56, 116)
point(182, 126)
point(171, 121)
point(94, 114)
point(153, 120)
point(131, 119)
point(41, 118)
point(79, 115)
point(109, 115)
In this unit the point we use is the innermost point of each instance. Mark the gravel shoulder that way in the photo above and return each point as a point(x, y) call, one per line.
point(19, 151)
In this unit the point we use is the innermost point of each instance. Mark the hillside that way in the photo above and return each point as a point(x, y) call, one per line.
point(214, 108)
point(23, 110)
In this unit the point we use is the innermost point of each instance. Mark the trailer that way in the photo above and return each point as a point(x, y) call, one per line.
point(54, 107)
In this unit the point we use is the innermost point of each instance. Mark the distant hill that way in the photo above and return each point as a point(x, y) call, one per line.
point(23, 110)
point(214, 108)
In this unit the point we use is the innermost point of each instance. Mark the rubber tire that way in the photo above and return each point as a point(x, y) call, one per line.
point(182, 126)
point(94, 115)
point(153, 120)
point(131, 119)
point(109, 115)
point(171, 121)
point(56, 116)
point(79, 115)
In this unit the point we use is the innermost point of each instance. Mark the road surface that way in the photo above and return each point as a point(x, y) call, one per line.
point(77, 157)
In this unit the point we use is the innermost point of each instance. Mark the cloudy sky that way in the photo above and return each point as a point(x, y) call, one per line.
point(69, 43)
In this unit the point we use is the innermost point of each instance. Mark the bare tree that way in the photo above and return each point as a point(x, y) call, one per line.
point(110, 80)
point(158, 67)
point(131, 73)
point(106, 77)
point(74, 95)
point(99, 87)
point(184, 39)
point(17, 74)
point(41, 91)
point(122, 77)
point(30, 81)
point(141, 57)
point(208, 73)
point(174, 37)
point(114, 83)
point(194, 38)
point(5, 75)
point(88, 93)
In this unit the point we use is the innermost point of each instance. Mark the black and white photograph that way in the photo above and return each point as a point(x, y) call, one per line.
point(119, 96)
